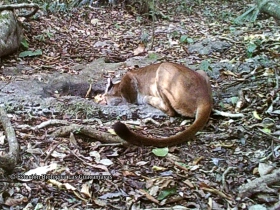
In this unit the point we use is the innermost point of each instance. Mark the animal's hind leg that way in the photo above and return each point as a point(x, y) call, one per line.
point(161, 103)
point(170, 110)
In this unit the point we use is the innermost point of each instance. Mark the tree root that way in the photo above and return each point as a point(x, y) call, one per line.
point(89, 131)
point(19, 6)
point(9, 161)
point(260, 185)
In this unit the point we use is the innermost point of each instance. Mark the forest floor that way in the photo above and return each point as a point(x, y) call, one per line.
point(210, 172)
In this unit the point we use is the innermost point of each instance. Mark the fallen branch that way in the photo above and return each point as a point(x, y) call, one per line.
point(260, 185)
point(89, 131)
point(20, 6)
point(217, 192)
point(50, 122)
point(9, 161)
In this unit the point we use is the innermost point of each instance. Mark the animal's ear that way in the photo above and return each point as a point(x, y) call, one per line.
point(109, 85)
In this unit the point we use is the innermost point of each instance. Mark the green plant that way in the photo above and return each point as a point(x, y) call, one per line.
point(205, 65)
point(250, 49)
point(55, 6)
point(46, 34)
point(24, 44)
point(117, 26)
point(153, 56)
point(30, 53)
point(184, 39)
point(234, 100)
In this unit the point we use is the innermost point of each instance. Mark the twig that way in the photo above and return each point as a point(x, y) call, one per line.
point(5, 85)
point(47, 157)
point(229, 39)
point(270, 154)
point(243, 79)
point(153, 26)
point(146, 120)
point(226, 114)
point(217, 192)
point(224, 177)
point(276, 78)
point(50, 122)
point(91, 165)
point(178, 165)
point(148, 196)
point(89, 91)
point(269, 135)
point(90, 121)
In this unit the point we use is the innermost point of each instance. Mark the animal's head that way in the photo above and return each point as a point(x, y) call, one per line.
point(112, 94)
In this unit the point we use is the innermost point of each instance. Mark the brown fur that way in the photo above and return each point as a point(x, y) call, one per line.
point(170, 87)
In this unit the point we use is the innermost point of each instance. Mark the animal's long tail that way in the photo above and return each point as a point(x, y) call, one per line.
point(201, 119)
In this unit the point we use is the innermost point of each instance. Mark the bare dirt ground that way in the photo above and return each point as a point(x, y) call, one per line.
point(206, 173)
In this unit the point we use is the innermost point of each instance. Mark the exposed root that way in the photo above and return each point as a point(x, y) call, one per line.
point(260, 185)
point(9, 161)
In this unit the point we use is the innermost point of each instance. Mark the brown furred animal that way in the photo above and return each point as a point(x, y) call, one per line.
point(170, 87)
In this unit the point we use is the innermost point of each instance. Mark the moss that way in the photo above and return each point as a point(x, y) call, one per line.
point(4, 16)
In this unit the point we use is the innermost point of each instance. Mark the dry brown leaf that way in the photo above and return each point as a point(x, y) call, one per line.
point(140, 49)
point(15, 202)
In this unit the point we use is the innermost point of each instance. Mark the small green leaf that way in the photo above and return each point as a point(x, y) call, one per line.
point(232, 29)
point(40, 37)
point(24, 43)
point(117, 26)
point(189, 40)
point(153, 56)
point(205, 65)
point(166, 192)
point(183, 39)
point(30, 53)
point(234, 100)
point(221, 104)
point(266, 130)
point(251, 47)
point(160, 152)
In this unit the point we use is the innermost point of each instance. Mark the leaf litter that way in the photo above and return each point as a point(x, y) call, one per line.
point(203, 174)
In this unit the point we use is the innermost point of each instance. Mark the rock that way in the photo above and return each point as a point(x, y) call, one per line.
point(207, 46)
point(61, 93)
point(10, 33)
